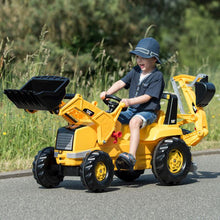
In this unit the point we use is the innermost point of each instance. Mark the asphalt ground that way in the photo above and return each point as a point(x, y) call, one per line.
point(22, 173)
point(196, 197)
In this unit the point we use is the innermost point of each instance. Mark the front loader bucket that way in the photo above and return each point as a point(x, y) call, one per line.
point(39, 93)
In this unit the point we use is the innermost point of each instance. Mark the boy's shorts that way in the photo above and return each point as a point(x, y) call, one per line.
point(148, 117)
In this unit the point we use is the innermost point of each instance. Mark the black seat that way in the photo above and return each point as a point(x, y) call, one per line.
point(171, 111)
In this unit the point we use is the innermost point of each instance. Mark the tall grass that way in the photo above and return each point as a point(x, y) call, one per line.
point(23, 134)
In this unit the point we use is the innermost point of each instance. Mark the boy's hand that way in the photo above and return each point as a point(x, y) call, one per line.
point(103, 94)
point(126, 101)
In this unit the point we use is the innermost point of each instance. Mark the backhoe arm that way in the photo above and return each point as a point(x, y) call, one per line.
point(195, 101)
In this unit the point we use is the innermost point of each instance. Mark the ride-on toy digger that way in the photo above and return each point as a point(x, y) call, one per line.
point(92, 140)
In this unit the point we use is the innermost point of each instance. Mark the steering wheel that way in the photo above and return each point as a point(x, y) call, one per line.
point(111, 104)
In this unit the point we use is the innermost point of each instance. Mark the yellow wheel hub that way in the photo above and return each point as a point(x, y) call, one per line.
point(175, 161)
point(100, 171)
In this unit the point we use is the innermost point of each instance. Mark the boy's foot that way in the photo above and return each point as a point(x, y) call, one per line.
point(125, 161)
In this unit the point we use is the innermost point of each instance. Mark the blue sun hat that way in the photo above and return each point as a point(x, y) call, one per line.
point(147, 48)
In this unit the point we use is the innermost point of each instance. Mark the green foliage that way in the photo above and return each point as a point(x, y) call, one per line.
point(200, 41)
point(74, 27)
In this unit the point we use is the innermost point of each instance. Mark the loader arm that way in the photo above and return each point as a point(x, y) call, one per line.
point(79, 112)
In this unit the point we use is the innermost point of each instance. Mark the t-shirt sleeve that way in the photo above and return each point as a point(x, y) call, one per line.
point(127, 79)
point(156, 87)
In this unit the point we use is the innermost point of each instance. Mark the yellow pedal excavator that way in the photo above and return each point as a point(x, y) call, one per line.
point(92, 139)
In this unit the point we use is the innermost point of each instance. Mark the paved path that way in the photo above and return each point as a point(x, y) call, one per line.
point(198, 197)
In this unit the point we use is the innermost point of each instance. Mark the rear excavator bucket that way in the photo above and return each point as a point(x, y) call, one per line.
point(204, 92)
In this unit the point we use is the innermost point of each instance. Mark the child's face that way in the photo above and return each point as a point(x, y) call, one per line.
point(146, 64)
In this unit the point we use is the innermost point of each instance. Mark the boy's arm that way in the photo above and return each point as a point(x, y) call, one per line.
point(113, 89)
point(137, 100)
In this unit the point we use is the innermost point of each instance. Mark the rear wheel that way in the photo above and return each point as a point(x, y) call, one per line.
point(45, 168)
point(128, 175)
point(171, 161)
point(97, 171)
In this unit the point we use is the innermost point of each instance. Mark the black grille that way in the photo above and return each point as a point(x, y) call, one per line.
point(65, 139)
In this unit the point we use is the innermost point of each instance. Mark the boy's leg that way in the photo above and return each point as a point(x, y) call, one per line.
point(135, 124)
point(125, 160)
point(139, 121)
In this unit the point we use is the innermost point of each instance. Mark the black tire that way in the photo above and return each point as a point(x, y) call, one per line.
point(171, 161)
point(128, 175)
point(45, 168)
point(96, 171)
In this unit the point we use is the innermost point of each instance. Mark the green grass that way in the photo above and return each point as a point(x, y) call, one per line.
point(23, 133)
point(207, 145)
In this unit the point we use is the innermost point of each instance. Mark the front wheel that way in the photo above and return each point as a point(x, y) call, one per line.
point(96, 171)
point(45, 168)
point(171, 161)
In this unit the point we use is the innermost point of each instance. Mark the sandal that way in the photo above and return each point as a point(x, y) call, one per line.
point(125, 161)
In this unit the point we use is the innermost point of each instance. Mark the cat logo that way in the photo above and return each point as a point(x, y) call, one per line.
point(88, 112)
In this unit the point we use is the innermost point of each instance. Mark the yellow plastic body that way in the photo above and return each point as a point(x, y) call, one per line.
point(98, 126)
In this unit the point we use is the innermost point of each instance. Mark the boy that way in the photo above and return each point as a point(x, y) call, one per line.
point(146, 85)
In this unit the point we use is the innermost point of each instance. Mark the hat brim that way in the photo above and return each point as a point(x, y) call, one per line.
point(144, 55)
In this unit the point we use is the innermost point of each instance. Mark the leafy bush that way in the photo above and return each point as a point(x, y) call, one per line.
point(200, 41)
